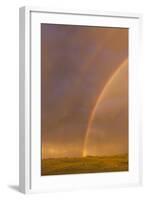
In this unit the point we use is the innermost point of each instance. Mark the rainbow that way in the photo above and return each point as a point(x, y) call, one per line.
point(99, 98)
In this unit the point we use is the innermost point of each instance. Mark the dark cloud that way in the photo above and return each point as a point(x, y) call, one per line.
point(76, 62)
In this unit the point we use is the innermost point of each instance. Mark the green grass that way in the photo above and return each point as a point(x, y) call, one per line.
point(89, 164)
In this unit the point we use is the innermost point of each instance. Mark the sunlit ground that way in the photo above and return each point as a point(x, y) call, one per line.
point(89, 164)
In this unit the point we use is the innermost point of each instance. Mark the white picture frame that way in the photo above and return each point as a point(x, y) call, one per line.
point(29, 159)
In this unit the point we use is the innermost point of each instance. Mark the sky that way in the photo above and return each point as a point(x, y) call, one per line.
point(84, 90)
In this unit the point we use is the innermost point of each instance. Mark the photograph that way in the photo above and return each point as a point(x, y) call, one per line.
point(84, 99)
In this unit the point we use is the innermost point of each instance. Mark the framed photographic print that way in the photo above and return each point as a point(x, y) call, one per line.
point(80, 114)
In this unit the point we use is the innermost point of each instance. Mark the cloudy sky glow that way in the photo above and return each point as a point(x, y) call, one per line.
point(76, 64)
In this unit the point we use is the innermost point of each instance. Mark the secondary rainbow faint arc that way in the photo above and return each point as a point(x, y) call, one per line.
point(91, 118)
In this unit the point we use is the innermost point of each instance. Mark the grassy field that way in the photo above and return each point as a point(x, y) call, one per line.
point(90, 164)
